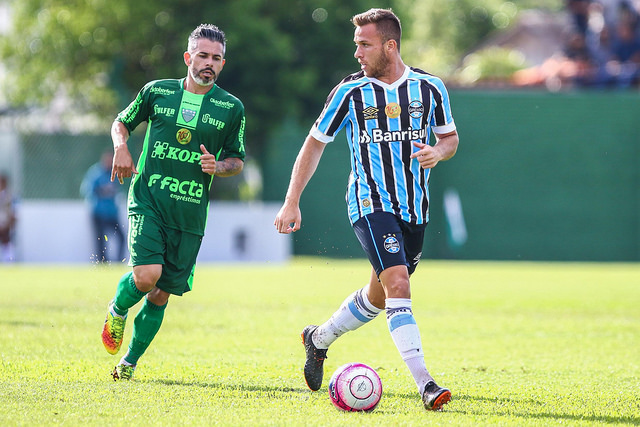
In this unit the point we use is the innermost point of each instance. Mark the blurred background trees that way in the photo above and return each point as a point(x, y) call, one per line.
point(283, 56)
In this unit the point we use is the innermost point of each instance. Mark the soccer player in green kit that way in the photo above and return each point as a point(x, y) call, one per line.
point(195, 130)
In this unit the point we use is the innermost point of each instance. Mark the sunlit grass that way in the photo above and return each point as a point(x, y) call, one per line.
point(517, 343)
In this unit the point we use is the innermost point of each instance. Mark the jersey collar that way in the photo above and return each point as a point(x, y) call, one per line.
point(394, 85)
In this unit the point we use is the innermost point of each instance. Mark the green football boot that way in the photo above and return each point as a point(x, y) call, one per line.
point(123, 372)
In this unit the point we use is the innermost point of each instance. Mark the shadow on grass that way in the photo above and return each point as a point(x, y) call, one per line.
point(556, 416)
point(21, 323)
point(458, 398)
point(234, 387)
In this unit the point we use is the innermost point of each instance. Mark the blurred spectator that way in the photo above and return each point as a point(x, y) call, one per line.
point(101, 193)
point(7, 220)
point(572, 66)
point(579, 10)
point(625, 50)
point(602, 50)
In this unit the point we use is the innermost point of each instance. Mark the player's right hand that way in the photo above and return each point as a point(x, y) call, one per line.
point(123, 166)
point(288, 219)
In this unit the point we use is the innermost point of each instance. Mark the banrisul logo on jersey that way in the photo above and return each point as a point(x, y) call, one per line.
point(189, 191)
point(378, 135)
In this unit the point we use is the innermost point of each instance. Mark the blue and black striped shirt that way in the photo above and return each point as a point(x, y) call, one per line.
point(381, 122)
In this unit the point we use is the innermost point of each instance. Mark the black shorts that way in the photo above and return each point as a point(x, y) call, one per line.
point(390, 241)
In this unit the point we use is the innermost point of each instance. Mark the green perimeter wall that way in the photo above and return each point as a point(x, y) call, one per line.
point(540, 176)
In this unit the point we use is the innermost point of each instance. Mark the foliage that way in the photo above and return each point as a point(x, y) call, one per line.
point(439, 33)
point(283, 56)
point(493, 63)
point(523, 344)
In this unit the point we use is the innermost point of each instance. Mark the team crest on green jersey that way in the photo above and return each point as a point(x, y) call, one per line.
point(188, 115)
point(189, 109)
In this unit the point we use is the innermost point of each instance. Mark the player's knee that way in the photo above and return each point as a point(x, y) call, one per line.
point(158, 297)
point(396, 282)
point(146, 277)
point(398, 289)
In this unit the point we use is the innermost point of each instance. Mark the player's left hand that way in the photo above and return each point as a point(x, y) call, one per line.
point(427, 155)
point(207, 161)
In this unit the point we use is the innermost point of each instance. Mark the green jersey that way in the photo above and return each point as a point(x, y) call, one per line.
point(170, 184)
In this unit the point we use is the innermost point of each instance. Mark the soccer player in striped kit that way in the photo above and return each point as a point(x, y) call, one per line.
point(388, 111)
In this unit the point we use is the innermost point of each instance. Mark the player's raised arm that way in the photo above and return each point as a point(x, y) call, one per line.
point(289, 217)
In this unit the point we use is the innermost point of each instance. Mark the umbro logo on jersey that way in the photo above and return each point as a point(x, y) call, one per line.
point(370, 113)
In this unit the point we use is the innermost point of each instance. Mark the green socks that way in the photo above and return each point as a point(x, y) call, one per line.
point(127, 295)
point(145, 326)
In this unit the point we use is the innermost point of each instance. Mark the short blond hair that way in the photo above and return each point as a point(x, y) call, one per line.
point(387, 23)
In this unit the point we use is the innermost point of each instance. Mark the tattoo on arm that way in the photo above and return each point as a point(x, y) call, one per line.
point(229, 167)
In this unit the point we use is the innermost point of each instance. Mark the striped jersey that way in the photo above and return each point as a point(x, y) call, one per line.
point(382, 120)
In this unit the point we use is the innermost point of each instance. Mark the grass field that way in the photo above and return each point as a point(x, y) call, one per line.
point(517, 344)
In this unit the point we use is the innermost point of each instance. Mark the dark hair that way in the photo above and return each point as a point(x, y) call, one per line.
point(209, 32)
point(387, 23)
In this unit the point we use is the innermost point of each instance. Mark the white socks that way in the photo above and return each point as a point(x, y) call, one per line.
point(354, 312)
point(406, 336)
point(357, 310)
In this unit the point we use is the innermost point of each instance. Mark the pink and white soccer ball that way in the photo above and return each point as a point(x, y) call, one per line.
point(355, 387)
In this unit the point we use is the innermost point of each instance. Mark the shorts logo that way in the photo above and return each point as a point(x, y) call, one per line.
point(416, 109)
point(183, 136)
point(391, 244)
point(370, 113)
point(392, 110)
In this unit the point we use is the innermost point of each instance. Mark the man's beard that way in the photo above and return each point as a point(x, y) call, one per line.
point(201, 81)
point(379, 67)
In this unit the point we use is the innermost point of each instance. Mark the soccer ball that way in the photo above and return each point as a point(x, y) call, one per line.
point(355, 387)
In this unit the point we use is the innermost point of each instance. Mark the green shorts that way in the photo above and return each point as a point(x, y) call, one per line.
point(150, 242)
